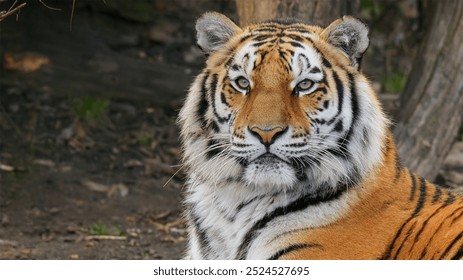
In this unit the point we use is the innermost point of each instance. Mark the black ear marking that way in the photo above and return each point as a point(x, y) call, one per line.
point(350, 35)
point(213, 30)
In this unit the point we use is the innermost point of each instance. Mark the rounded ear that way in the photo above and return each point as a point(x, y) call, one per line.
point(213, 30)
point(350, 35)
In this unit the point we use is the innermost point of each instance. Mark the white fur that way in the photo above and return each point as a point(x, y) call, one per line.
point(216, 203)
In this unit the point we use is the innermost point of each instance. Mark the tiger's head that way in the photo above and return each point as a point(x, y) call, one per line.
point(282, 105)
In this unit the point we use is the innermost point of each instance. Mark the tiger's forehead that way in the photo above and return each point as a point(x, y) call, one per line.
point(292, 46)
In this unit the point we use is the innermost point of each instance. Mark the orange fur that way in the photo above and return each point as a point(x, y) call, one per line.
point(383, 206)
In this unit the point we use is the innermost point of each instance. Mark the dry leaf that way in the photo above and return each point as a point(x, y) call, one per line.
point(7, 168)
point(73, 257)
point(96, 187)
point(122, 189)
point(25, 62)
point(131, 163)
point(105, 237)
point(45, 162)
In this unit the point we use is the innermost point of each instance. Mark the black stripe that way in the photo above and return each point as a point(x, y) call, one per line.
point(326, 104)
point(235, 67)
point(214, 82)
point(315, 70)
point(290, 233)
point(282, 55)
point(283, 21)
point(245, 38)
point(387, 254)
point(413, 187)
point(291, 52)
point(292, 248)
point(338, 127)
point(423, 226)
point(340, 92)
point(298, 29)
point(407, 235)
point(202, 236)
point(322, 90)
point(320, 121)
point(258, 44)
point(263, 54)
point(422, 198)
point(438, 229)
point(454, 241)
point(296, 44)
point(326, 63)
point(203, 103)
point(266, 29)
point(228, 61)
point(354, 107)
point(437, 194)
point(244, 204)
point(211, 152)
point(458, 255)
point(398, 166)
point(451, 198)
point(215, 126)
point(297, 205)
point(296, 37)
point(224, 99)
point(419, 206)
point(306, 60)
point(343, 142)
point(457, 217)
point(262, 37)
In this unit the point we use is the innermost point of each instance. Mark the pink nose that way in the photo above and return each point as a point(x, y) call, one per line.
point(267, 135)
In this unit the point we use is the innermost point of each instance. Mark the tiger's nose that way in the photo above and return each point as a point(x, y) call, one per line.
point(267, 136)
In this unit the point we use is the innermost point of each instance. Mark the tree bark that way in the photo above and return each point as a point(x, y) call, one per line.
point(310, 11)
point(431, 109)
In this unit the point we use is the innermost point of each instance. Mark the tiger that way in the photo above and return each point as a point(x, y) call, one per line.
point(289, 155)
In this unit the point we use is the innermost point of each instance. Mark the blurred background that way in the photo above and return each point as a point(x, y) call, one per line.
point(89, 92)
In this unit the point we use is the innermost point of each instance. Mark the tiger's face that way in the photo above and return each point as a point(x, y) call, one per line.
point(276, 92)
point(278, 105)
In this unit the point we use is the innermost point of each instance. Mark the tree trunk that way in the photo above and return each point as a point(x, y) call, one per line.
point(431, 108)
point(310, 11)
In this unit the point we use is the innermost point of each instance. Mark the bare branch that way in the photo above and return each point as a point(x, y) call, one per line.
point(72, 14)
point(51, 8)
point(11, 11)
point(14, 4)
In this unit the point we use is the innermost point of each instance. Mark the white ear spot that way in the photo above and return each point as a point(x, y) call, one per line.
point(350, 35)
point(213, 30)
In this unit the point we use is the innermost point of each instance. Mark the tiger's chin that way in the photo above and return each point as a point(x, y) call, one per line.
point(270, 173)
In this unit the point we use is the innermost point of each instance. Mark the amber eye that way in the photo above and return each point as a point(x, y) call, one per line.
point(304, 85)
point(242, 83)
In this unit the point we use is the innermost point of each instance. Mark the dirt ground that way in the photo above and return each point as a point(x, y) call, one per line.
point(76, 189)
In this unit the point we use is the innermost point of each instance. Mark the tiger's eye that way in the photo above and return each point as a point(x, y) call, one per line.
point(304, 85)
point(242, 83)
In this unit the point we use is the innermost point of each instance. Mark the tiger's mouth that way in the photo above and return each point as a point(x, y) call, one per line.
point(270, 170)
point(268, 159)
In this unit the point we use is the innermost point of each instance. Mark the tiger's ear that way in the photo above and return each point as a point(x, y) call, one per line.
point(213, 30)
point(350, 35)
